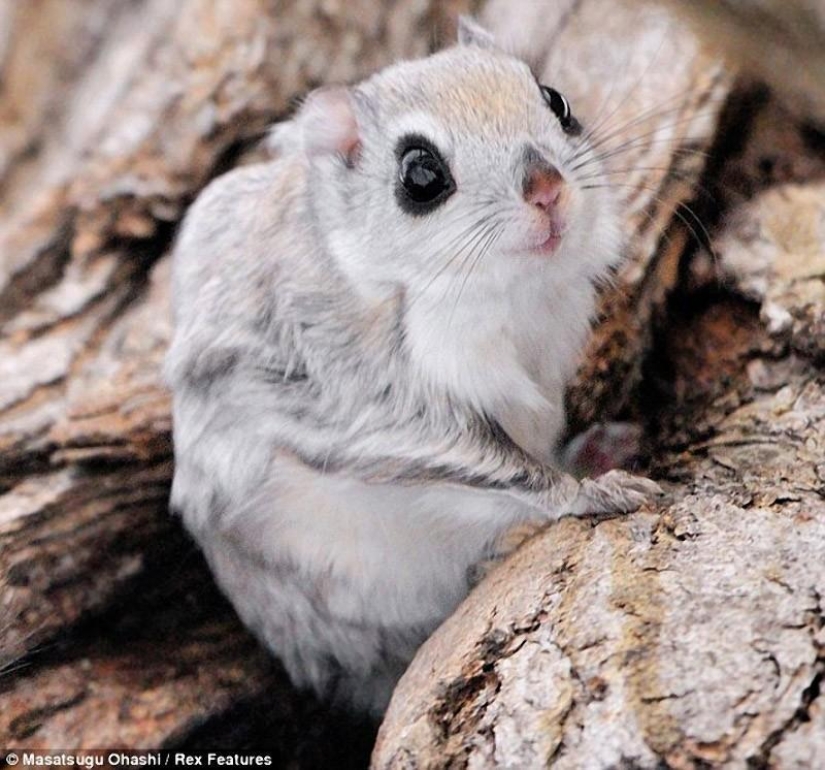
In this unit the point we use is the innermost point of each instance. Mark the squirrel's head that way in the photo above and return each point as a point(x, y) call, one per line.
point(457, 167)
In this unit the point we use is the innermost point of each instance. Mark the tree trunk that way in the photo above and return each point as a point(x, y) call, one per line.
point(113, 115)
point(686, 634)
point(690, 635)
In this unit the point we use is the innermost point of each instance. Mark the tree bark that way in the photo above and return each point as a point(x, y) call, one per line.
point(688, 634)
point(692, 634)
point(113, 114)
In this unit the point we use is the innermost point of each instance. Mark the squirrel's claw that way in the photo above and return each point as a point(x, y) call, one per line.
point(614, 492)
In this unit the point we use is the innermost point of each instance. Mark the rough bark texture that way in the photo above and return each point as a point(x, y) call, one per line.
point(113, 114)
point(690, 635)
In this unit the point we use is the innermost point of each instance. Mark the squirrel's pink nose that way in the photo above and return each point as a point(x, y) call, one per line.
point(543, 186)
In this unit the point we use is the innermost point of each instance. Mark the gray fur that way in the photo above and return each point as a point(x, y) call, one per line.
point(340, 469)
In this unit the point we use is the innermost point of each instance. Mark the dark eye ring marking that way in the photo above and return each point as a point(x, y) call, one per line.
point(424, 178)
point(561, 109)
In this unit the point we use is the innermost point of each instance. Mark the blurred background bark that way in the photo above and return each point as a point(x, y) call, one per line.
point(115, 113)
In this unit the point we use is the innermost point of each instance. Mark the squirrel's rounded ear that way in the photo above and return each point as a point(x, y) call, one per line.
point(327, 123)
point(470, 32)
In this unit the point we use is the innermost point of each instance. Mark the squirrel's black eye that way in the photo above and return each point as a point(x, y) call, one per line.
point(561, 109)
point(424, 179)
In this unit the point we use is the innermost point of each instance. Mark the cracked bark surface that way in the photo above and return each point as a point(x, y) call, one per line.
point(103, 145)
point(113, 115)
point(691, 635)
point(658, 637)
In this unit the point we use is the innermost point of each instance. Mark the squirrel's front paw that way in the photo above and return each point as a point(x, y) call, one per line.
point(614, 492)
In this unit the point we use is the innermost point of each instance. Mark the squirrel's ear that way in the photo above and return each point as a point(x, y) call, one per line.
point(327, 123)
point(470, 32)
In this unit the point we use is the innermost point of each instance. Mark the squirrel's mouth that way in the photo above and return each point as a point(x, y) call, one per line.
point(552, 241)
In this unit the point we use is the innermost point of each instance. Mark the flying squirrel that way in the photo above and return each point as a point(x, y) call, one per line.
point(373, 334)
